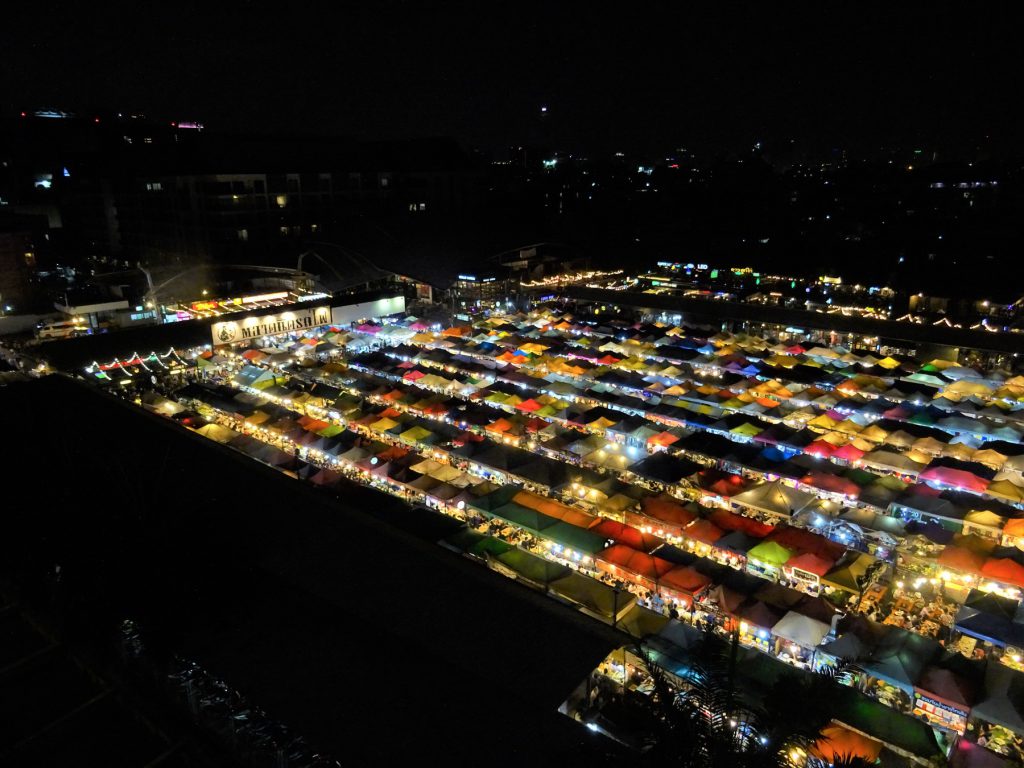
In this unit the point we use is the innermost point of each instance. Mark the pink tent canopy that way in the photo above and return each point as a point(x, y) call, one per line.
point(958, 478)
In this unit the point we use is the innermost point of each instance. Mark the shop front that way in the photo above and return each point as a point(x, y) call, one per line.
point(939, 712)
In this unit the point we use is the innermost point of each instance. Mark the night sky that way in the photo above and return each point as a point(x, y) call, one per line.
point(611, 79)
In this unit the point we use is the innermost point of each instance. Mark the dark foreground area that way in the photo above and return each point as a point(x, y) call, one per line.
point(341, 618)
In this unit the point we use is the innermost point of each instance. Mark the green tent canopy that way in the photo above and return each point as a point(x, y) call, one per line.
point(330, 430)
point(771, 553)
point(845, 577)
point(597, 597)
point(575, 538)
point(531, 567)
point(523, 517)
point(488, 545)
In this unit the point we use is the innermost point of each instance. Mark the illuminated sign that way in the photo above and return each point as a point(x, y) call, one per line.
point(204, 306)
point(940, 713)
point(192, 125)
point(471, 278)
point(270, 325)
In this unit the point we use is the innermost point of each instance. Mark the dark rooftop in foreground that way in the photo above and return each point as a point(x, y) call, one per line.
point(365, 637)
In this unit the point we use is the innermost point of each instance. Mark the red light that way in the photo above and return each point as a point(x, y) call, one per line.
point(23, 114)
point(674, 165)
point(174, 125)
point(95, 119)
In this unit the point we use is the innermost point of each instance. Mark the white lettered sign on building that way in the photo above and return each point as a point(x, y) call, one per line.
point(256, 326)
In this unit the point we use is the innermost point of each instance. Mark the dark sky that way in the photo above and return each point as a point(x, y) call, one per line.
point(838, 73)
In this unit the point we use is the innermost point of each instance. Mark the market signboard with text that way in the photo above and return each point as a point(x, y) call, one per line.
point(257, 326)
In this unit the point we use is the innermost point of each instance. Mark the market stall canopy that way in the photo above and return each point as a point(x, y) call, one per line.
point(845, 575)
point(774, 498)
point(771, 553)
point(218, 433)
point(532, 568)
point(801, 630)
point(598, 598)
point(1004, 570)
point(1004, 701)
point(900, 658)
point(838, 744)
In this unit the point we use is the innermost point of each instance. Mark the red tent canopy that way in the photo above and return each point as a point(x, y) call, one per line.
point(436, 409)
point(625, 562)
point(467, 437)
point(667, 510)
point(392, 453)
point(1004, 570)
point(820, 448)
point(705, 531)
point(730, 521)
point(831, 483)
point(626, 534)
point(960, 559)
point(758, 614)
point(811, 563)
point(804, 541)
point(664, 439)
point(728, 486)
point(529, 405)
point(683, 583)
point(848, 452)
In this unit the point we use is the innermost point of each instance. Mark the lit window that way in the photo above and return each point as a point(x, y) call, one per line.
point(282, 201)
point(423, 206)
point(314, 227)
point(286, 230)
point(243, 235)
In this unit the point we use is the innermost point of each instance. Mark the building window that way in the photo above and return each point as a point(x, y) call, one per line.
point(282, 201)
point(423, 206)
point(313, 228)
point(286, 230)
point(243, 235)
point(154, 186)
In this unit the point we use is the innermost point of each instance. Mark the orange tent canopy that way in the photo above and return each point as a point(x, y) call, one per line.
point(1014, 527)
point(837, 742)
